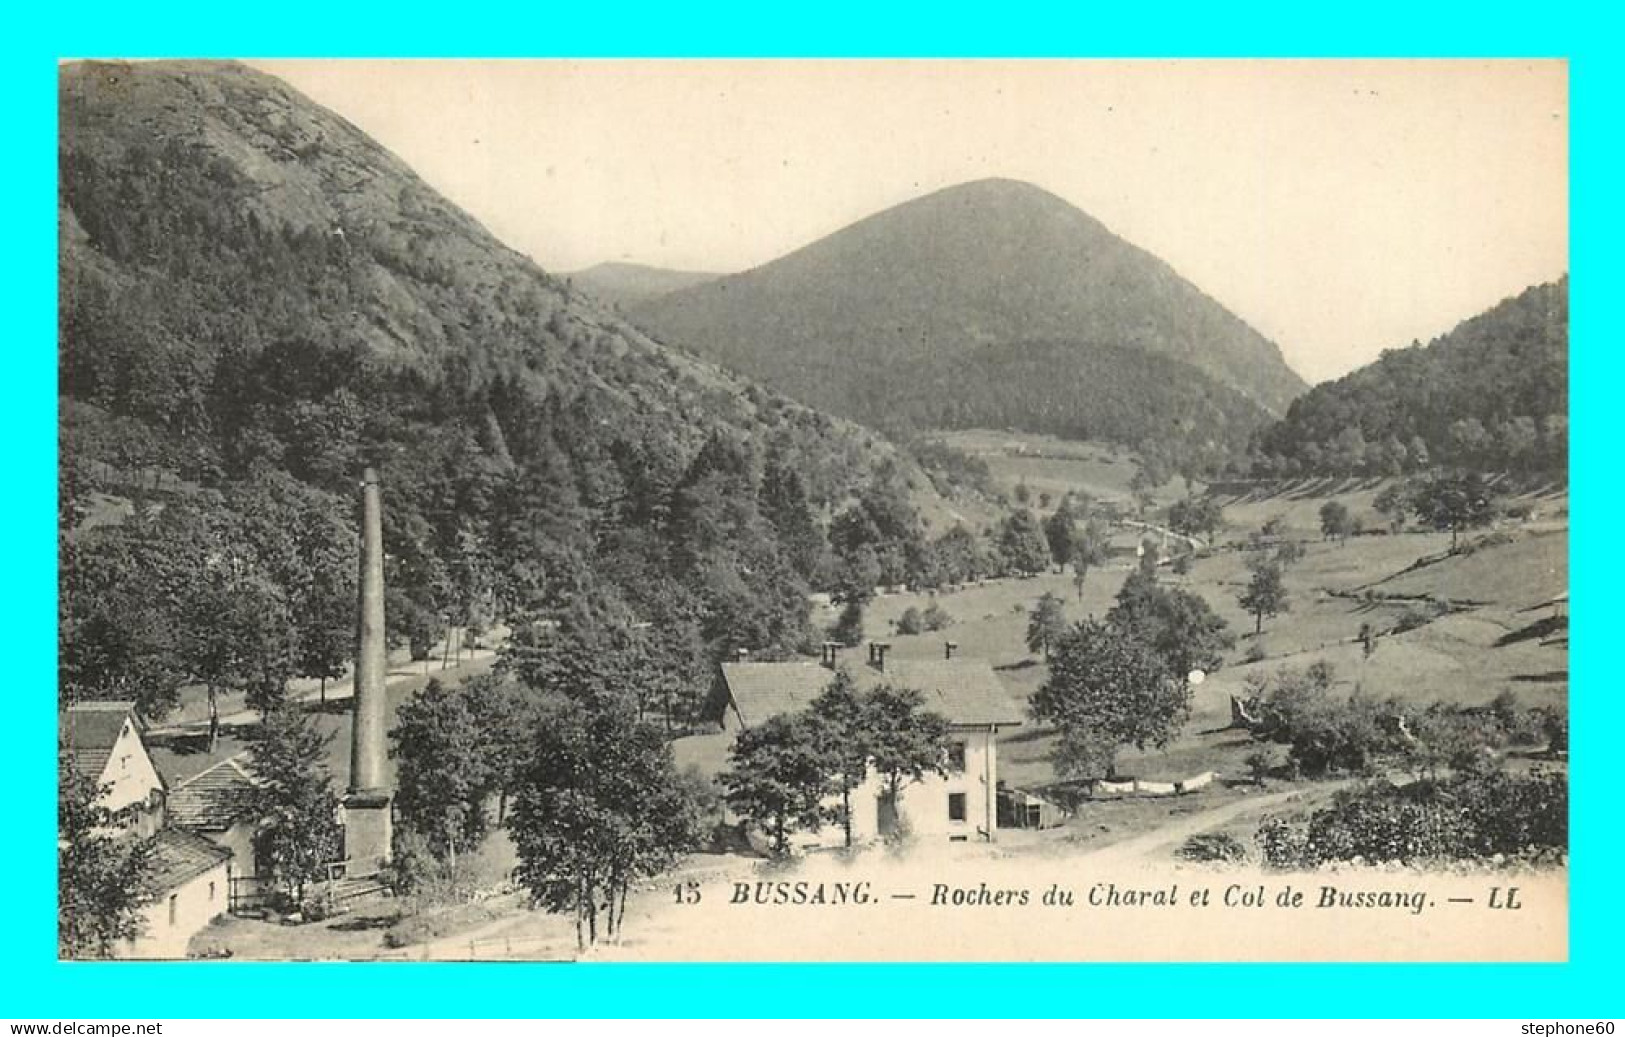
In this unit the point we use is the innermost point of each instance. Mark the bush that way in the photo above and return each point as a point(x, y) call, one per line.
point(319, 904)
point(1460, 739)
point(1467, 817)
point(1324, 733)
point(910, 622)
point(1256, 652)
point(1420, 615)
point(1554, 724)
point(936, 617)
point(414, 871)
point(1213, 847)
point(1260, 764)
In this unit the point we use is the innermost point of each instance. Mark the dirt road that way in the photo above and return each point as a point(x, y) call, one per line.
point(1160, 843)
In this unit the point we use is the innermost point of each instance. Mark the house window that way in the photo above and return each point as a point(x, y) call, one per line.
point(956, 756)
point(211, 892)
point(174, 903)
point(956, 806)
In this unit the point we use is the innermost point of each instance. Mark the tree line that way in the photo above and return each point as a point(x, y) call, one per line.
point(1492, 395)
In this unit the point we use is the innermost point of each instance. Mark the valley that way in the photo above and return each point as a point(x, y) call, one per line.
point(466, 608)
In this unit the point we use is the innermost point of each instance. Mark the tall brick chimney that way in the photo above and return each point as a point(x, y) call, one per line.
point(367, 829)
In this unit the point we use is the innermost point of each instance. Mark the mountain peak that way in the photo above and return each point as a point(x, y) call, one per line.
point(927, 291)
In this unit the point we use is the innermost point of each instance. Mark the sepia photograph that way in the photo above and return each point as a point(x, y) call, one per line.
point(813, 510)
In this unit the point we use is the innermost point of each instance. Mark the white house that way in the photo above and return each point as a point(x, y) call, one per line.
point(959, 807)
point(187, 889)
point(191, 877)
point(105, 740)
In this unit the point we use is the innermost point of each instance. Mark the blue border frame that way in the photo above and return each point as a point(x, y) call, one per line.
point(37, 985)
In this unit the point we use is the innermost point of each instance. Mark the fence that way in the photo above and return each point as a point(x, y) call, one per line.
point(490, 949)
point(345, 880)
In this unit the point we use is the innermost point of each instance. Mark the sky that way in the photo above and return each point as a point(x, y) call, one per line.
point(1339, 207)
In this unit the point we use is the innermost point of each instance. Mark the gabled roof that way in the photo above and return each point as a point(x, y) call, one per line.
point(178, 856)
point(91, 729)
point(215, 799)
point(965, 691)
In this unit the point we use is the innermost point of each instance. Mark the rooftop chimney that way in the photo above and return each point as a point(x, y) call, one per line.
point(830, 648)
point(949, 648)
point(877, 654)
point(367, 806)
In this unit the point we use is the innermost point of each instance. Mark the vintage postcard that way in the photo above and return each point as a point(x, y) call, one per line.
point(880, 510)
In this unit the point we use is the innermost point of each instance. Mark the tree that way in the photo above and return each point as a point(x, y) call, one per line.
point(1454, 502)
point(101, 879)
point(1045, 624)
point(1325, 731)
point(842, 725)
point(298, 810)
point(1106, 689)
point(784, 503)
point(1196, 516)
point(508, 713)
point(1022, 544)
point(1088, 550)
point(906, 740)
point(240, 638)
point(1176, 624)
point(445, 769)
point(856, 574)
point(911, 621)
point(1288, 554)
point(848, 628)
point(1421, 458)
point(778, 775)
point(961, 555)
point(1265, 594)
point(602, 806)
point(1348, 450)
point(1335, 521)
point(1060, 530)
point(1393, 505)
point(1470, 440)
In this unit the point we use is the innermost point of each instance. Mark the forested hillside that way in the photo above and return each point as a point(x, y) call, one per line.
point(257, 300)
point(991, 303)
point(1492, 394)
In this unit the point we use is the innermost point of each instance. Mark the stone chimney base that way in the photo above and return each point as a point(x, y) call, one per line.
point(368, 828)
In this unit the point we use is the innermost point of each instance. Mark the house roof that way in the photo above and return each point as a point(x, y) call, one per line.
point(178, 856)
point(215, 799)
point(965, 691)
point(91, 730)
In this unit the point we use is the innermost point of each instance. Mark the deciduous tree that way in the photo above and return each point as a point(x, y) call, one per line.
point(1106, 689)
point(601, 806)
point(295, 802)
point(100, 877)
point(842, 722)
point(778, 775)
point(445, 768)
point(1265, 594)
point(907, 740)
